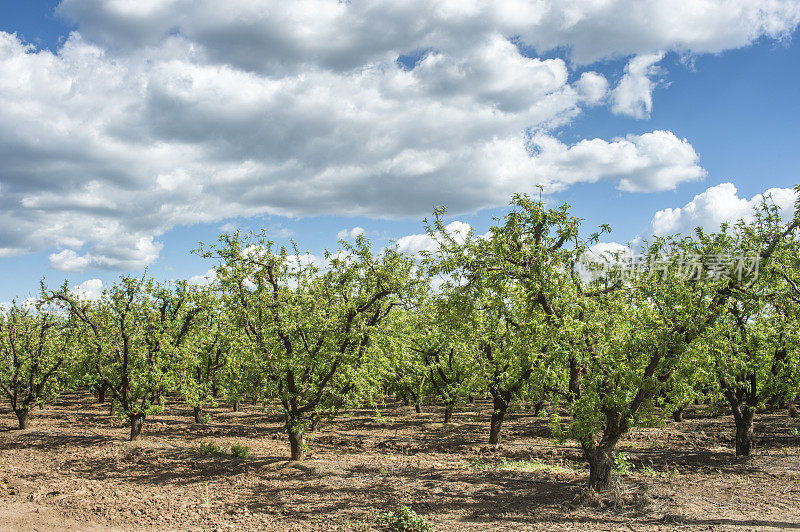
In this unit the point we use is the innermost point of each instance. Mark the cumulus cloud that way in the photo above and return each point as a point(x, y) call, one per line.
point(90, 289)
point(413, 245)
point(163, 114)
point(633, 95)
point(280, 35)
point(650, 162)
point(350, 234)
point(718, 204)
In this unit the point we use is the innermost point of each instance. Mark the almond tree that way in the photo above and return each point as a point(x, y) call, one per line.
point(620, 339)
point(205, 352)
point(435, 331)
point(518, 280)
point(752, 350)
point(642, 333)
point(35, 344)
point(134, 331)
point(310, 326)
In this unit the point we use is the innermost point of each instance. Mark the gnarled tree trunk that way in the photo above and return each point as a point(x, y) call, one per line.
point(601, 466)
point(498, 414)
point(198, 414)
point(417, 403)
point(600, 455)
point(23, 417)
point(101, 392)
point(136, 420)
point(744, 431)
point(297, 443)
point(448, 412)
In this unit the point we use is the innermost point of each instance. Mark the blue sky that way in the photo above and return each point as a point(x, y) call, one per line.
point(155, 126)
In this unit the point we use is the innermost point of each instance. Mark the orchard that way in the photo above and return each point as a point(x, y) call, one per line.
point(526, 322)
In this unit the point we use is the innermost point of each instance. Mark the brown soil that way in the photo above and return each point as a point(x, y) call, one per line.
point(74, 470)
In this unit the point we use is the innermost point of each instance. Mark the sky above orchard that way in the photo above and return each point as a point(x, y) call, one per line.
point(132, 129)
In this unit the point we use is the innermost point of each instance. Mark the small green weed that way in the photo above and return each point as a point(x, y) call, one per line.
point(206, 448)
point(404, 519)
point(240, 451)
point(622, 464)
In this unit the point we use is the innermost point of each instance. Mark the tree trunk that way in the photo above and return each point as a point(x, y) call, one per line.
point(744, 432)
point(23, 416)
point(677, 414)
point(214, 390)
point(297, 444)
point(498, 414)
point(101, 392)
point(236, 405)
point(537, 408)
point(406, 400)
point(417, 405)
point(448, 412)
point(601, 455)
point(198, 414)
point(136, 425)
point(601, 466)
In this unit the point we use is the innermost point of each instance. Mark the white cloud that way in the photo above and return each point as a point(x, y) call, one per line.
point(717, 205)
point(281, 35)
point(606, 251)
point(109, 255)
point(600, 257)
point(279, 231)
point(592, 86)
point(350, 234)
point(204, 279)
point(90, 289)
point(650, 162)
point(633, 95)
point(414, 244)
point(163, 114)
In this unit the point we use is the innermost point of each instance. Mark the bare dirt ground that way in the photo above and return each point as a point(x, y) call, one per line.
point(74, 470)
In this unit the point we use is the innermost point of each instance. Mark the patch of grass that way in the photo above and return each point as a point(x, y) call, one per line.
point(404, 519)
point(206, 448)
point(240, 451)
point(525, 465)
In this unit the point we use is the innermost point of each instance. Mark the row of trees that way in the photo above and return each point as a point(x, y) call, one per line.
point(513, 315)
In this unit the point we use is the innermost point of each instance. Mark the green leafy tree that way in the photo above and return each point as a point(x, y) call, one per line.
point(35, 345)
point(752, 348)
point(310, 327)
point(436, 333)
point(519, 280)
point(205, 352)
point(641, 334)
point(404, 371)
point(135, 331)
